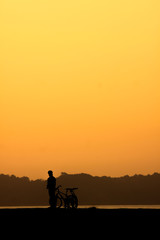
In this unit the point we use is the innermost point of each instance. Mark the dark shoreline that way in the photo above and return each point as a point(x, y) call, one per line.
point(33, 214)
point(81, 222)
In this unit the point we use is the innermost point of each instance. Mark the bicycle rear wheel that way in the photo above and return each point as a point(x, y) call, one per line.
point(72, 202)
point(58, 202)
point(75, 202)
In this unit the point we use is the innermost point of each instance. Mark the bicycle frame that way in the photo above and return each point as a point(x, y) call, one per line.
point(68, 198)
point(63, 196)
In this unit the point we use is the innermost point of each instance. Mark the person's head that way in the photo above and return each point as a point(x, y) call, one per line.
point(50, 173)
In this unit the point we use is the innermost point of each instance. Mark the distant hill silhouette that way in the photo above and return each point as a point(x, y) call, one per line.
point(137, 189)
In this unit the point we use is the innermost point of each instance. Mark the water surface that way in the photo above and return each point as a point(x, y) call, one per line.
point(97, 206)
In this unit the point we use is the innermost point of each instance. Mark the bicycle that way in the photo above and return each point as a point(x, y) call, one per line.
point(72, 198)
point(68, 200)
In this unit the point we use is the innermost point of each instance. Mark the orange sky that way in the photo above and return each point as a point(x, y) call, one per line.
point(79, 87)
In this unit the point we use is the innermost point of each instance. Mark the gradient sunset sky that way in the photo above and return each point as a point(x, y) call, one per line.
point(79, 87)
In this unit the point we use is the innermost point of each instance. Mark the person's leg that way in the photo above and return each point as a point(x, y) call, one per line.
point(52, 200)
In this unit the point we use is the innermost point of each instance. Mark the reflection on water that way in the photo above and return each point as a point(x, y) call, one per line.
point(96, 206)
point(123, 206)
point(15, 207)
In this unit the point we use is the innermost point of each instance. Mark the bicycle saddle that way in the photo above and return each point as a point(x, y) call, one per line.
point(71, 189)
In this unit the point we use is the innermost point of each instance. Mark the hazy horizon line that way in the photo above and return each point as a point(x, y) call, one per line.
point(82, 173)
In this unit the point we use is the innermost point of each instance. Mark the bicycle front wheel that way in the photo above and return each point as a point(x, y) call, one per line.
point(58, 202)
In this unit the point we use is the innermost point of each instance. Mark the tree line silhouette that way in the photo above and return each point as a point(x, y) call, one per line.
point(92, 190)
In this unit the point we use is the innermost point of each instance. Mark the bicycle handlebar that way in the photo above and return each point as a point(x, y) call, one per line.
point(58, 187)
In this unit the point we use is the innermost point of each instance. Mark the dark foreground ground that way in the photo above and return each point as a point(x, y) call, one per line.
point(81, 223)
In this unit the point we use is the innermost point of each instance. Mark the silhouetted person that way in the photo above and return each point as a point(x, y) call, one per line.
point(51, 186)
